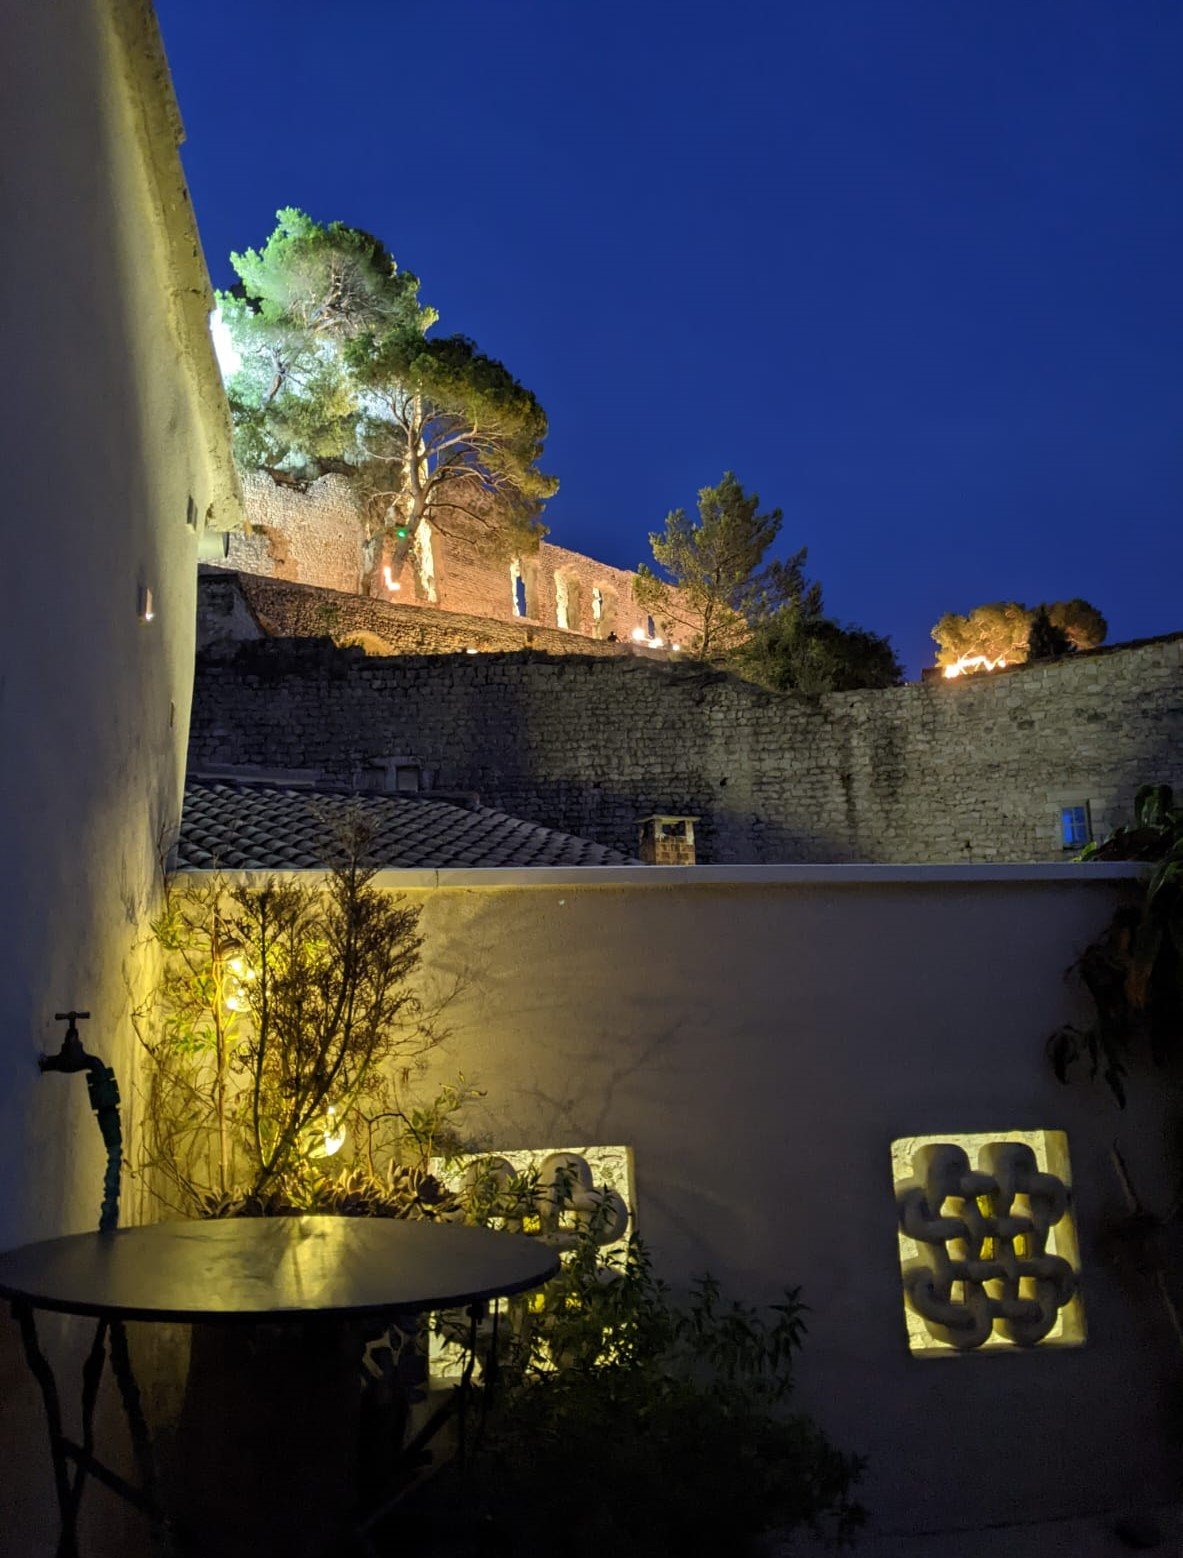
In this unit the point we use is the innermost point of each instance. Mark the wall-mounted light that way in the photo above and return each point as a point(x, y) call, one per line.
point(145, 611)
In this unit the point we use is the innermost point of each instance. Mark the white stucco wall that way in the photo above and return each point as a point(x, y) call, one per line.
point(759, 1038)
point(112, 429)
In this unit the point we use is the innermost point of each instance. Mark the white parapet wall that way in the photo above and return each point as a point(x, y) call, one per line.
point(760, 1038)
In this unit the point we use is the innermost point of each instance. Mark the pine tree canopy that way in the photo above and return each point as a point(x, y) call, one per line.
point(717, 584)
point(1001, 630)
point(339, 374)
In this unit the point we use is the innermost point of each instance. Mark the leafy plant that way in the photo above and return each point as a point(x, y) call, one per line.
point(338, 373)
point(1001, 631)
point(634, 1425)
point(797, 651)
point(282, 1015)
point(716, 581)
point(1046, 639)
point(1133, 972)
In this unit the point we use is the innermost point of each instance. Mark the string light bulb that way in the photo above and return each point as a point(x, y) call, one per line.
point(332, 1135)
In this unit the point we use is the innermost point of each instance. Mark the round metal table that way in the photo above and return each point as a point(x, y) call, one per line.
point(241, 1271)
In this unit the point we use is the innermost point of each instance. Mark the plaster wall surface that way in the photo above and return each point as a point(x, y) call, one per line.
point(970, 770)
point(317, 537)
point(760, 1042)
point(116, 452)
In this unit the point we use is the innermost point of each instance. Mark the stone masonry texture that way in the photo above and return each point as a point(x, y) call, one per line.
point(317, 537)
point(970, 770)
point(233, 605)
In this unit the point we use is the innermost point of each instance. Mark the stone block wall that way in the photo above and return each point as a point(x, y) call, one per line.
point(232, 605)
point(971, 770)
point(317, 538)
point(308, 538)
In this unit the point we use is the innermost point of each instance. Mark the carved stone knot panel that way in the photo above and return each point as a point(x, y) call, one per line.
point(986, 1266)
point(564, 1197)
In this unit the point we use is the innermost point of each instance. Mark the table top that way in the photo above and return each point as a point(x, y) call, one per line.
point(274, 1269)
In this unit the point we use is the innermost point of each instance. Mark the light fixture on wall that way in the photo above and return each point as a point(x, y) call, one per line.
point(146, 611)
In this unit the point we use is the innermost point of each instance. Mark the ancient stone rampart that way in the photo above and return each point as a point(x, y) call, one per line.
point(317, 537)
point(232, 605)
point(970, 770)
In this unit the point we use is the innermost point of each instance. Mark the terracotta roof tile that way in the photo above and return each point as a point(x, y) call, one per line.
point(269, 828)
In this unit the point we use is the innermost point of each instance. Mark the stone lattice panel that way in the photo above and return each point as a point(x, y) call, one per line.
point(988, 1250)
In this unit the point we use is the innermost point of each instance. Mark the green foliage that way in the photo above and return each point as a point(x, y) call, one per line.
point(405, 1190)
point(1083, 624)
point(717, 582)
point(998, 631)
point(794, 651)
point(338, 374)
point(280, 1013)
point(1046, 640)
point(1001, 630)
point(664, 1429)
point(1133, 973)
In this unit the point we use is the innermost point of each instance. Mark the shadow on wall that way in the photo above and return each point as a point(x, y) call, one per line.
point(503, 770)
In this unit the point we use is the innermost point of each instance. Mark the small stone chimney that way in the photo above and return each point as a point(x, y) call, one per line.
point(667, 841)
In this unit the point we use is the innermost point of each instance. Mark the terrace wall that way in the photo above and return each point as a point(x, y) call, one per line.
point(759, 1039)
point(244, 606)
point(970, 770)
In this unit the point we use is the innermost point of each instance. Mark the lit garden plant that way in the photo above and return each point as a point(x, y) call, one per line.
point(282, 1015)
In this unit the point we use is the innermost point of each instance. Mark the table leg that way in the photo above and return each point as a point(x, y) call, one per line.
point(456, 1405)
point(39, 1367)
point(141, 1439)
point(92, 1374)
point(476, 1313)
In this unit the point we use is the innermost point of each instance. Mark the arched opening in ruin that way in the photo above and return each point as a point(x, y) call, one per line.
point(568, 602)
point(604, 611)
point(524, 581)
point(517, 584)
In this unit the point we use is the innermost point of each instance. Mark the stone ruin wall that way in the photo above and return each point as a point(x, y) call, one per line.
point(967, 771)
point(317, 538)
point(243, 606)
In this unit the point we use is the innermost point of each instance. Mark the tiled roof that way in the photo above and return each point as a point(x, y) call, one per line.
point(266, 827)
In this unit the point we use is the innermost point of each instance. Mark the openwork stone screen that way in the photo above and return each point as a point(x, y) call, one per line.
point(987, 1244)
point(588, 1186)
point(591, 1186)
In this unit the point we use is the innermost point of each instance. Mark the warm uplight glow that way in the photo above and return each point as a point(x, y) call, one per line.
point(334, 1133)
point(229, 361)
point(639, 636)
point(238, 973)
point(969, 663)
point(389, 580)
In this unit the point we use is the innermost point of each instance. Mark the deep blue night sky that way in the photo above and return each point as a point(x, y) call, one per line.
point(912, 268)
